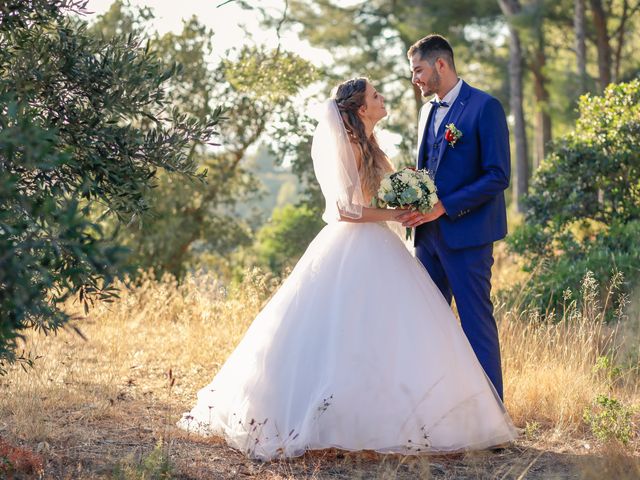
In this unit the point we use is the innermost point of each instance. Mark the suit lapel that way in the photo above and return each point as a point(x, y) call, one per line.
point(422, 131)
point(456, 111)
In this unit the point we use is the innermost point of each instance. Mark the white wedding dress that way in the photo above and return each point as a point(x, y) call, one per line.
point(357, 350)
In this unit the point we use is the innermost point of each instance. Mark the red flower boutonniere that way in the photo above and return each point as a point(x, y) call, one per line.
point(452, 134)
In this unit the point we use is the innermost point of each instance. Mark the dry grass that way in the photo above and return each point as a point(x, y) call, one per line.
point(556, 365)
point(554, 370)
point(97, 408)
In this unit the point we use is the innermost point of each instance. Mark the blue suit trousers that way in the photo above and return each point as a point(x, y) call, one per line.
point(465, 274)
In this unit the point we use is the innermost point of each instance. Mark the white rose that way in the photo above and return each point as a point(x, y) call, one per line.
point(386, 185)
point(433, 198)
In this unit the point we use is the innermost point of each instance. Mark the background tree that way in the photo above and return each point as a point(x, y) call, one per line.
point(257, 87)
point(511, 9)
point(371, 38)
point(611, 24)
point(579, 21)
point(538, 65)
point(85, 127)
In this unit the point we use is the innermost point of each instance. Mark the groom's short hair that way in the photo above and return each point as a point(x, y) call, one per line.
point(432, 47)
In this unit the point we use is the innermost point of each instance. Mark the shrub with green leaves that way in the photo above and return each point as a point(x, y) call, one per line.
point(583, 212)
point(281, 242)
point(609, 419)
point(85, 126)
point(155, 465)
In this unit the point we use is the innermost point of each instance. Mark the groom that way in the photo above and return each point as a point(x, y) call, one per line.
point(464, 141)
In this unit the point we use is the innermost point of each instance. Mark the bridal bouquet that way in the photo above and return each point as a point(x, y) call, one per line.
point(407, 188)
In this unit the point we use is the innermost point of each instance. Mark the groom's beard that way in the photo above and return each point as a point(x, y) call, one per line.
point(432, 85)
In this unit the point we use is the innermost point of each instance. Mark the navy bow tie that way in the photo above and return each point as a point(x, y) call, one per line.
point(438, 104)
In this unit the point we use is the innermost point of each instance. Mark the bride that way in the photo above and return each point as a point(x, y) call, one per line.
point(357, 350)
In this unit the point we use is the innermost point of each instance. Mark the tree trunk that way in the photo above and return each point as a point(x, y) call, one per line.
point(602, 42)
point(543, 119)
point(517, 110)
point(521, 185)
point(620, 41)
point(581, 45)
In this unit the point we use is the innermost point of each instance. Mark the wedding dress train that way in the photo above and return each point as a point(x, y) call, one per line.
point(357, 350)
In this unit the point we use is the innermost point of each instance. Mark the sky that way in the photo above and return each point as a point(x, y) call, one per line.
point(228, 22)
point(225, 20)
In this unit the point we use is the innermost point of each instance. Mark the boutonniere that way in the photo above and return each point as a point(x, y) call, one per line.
point(452, 135)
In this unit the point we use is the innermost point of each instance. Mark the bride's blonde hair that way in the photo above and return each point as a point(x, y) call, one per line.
point(349, 97)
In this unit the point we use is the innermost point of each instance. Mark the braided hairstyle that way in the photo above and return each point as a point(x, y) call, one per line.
point(349, 97)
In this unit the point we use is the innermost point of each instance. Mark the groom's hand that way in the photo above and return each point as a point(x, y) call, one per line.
point(415, 219)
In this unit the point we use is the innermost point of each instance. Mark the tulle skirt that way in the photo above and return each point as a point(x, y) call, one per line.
point(357, 350)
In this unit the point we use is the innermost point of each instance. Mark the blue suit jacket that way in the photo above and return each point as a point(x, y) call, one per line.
point(472, 176)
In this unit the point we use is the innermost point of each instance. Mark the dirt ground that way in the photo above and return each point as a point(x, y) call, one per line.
point(101, 447)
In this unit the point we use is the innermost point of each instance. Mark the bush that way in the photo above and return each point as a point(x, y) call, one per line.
point(156, 465)
point(282, 241)
point(609, 419)
point(583, 212)
point(611, 253)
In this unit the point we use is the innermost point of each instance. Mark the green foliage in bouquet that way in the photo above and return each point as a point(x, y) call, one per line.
point(583, 212)
point(85, 127)
point(407, 188)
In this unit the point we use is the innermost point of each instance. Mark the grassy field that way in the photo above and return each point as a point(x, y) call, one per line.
point(105, 406)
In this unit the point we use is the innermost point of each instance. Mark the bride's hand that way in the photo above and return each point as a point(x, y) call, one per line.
point(397, 214)
point(415, 219)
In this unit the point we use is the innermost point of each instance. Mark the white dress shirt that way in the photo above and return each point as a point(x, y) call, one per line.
point(449, 98)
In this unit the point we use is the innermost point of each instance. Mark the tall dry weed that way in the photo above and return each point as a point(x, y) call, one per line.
point(557, 364)
point(146, 355)
point(156, 326)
